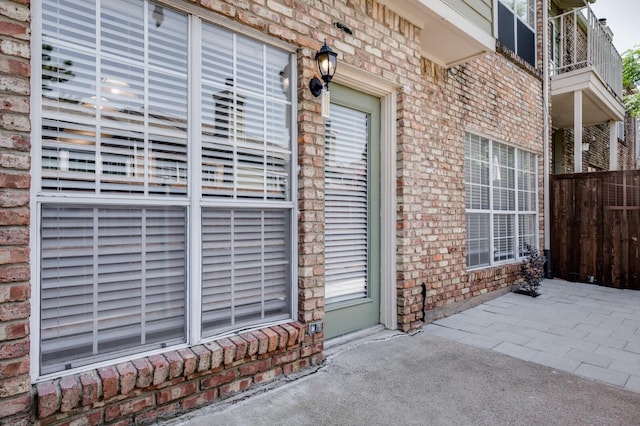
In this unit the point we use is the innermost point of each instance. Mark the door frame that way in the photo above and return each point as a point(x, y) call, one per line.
point(357, 79)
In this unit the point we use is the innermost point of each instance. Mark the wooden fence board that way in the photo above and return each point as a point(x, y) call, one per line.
point(595, 227)
point(562, 208)
point(634, 251)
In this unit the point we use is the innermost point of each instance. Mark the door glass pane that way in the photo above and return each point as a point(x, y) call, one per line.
point(346, 204)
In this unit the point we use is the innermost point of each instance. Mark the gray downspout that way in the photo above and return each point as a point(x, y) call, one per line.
point(545, 138)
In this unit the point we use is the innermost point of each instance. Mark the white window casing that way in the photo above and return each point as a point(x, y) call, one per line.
point(163, 182)
point(501, 186)
point(517, 27)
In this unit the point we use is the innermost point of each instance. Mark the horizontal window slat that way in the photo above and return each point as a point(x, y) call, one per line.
point(114, 278)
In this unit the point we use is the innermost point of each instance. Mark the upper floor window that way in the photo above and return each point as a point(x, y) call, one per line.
point(164, 169)
point(517, 27)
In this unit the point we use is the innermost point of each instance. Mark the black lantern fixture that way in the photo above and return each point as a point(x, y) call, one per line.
point(327, 61)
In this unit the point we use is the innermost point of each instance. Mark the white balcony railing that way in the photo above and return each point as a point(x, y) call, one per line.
point(581, 41)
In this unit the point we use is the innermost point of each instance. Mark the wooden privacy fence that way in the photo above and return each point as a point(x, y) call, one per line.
point(595, 226)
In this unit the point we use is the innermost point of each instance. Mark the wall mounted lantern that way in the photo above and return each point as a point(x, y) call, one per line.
point(327, 61)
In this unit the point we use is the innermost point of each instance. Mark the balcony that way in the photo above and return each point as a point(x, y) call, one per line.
point(584, 63)
point(452, 32)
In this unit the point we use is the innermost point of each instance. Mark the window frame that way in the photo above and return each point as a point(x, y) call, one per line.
point(192, 202)
point(514, 33)
point(492, 213)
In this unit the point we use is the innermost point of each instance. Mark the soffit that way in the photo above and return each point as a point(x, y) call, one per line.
point(447, 37)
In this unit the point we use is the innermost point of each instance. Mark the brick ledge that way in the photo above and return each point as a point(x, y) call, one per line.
point(178, 380)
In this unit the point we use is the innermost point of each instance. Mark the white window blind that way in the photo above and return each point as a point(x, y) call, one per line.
point(114, 98)
point(118, 129)
point(501, 201)
point(477, 187)
point(527, 200)
point(476, 170)
point(503, 237)
point(112, 281)
point(346, 204)
point(245, 267)
point(246, 109)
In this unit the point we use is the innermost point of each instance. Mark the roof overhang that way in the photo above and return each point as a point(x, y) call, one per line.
point(599, 104)
point(447, 37)
point(570, 4)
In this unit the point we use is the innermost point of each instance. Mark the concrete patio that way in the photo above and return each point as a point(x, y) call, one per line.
point(584, 329)
point(514, 360)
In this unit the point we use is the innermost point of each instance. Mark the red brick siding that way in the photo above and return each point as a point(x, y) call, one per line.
point(15, 384)
point(167, 384)
point(494, 95)
point(598, 155)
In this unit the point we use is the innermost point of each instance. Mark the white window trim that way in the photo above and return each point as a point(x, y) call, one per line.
point(515, 28)
point(36, 165)
point(193, 202)
point(516, 213)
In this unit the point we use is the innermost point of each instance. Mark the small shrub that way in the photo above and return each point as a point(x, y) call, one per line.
point(531, 271)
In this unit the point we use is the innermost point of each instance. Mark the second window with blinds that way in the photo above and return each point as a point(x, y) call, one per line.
point(501, 196)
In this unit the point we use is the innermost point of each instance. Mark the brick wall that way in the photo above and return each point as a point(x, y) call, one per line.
point(15, 386)
point(176, 381)
point(597, 157)
point(496, 95)
point(162, 386)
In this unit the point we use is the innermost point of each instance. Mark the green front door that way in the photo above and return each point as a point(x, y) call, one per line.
point(352, 212)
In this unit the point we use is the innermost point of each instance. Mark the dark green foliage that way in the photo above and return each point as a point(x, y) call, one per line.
point(631, 80)
point(531, 271)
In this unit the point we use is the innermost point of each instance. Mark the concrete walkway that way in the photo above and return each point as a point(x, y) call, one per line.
point(583, 329)
point(426, 379)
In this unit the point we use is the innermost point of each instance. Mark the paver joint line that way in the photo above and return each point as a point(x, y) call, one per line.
point(574, 327)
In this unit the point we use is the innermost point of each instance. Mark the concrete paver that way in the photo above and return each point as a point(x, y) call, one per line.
point(589, 358)
point(633, 384)
point(555, 361)
point(595, 327)
point(600, 374)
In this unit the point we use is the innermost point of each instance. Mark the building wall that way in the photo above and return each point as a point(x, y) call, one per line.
point(495, 95)
point(596, 159)
point(15, 385)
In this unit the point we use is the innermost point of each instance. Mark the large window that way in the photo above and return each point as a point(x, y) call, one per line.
point(501, 201)
point(517, 27)
point(164, 181)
